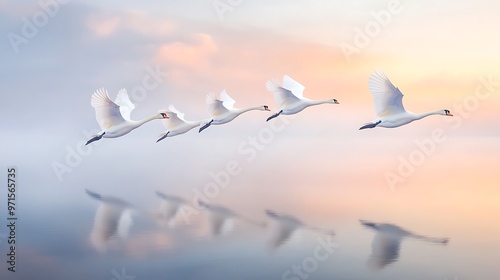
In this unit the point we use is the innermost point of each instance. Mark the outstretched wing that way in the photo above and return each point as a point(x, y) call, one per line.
point(215, 105)
point(295, 87)
point(107, 112)
point(126, 106)
point(175, 118)
point(282, 96)
point(387, 98)
point(227, 101)
point(385, 250)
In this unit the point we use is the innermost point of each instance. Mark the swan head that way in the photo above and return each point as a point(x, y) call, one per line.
point(446, 113)
point(334, 101)
point(264, 108)
point(368, 224)
point(162, 116)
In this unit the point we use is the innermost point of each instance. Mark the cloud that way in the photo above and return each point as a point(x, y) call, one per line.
point(196, 53)
point(107, 24)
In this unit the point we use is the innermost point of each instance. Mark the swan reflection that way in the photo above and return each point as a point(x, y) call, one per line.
point(222, 218)
point(286, 226)
point(387, 242)
point(113, 218)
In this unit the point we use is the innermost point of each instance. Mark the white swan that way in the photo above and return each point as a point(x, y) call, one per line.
point(287, 225)
point(171, 205)
point(114, 117)
point(389, 108)
point(289, 97)
point(387, 242)
point(222, 110)
point(176, 124)
point(112, 219)
point(220, 217)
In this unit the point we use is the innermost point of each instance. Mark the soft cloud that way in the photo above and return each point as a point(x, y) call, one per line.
point(194, 54)
point(137, 21)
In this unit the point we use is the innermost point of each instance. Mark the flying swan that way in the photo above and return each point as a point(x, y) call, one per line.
point(176, 124)
point(389, 108)
point(114, 117)
point(222, 110)
point(289, 97)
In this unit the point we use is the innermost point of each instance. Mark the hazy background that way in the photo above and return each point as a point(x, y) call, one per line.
point(320, 168)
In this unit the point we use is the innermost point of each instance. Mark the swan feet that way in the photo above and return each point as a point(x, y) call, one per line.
point(205, 126)
point(274, 116)
point(97, 137)
point(163, 137)
point(370, 125)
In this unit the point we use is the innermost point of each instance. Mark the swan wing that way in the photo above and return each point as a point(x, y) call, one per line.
point(107, 112)
point(385, 249)
point(215, 105)
point(217, 223)
point(282, 233)
point(126, 106)
point(227, 101)
point(295, 87)
point(282, 96)
point(178, 114)
point(387, 98)
point(175, 118)
point(106, 224)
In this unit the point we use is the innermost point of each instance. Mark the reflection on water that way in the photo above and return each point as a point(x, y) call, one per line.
point(286, 225)
point(222, 218)
point(387, 242)
point(103, 238)
point(169, 209)
point(112, 219)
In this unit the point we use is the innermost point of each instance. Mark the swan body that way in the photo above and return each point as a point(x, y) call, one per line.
point(389, 108)
point(222, 110)
point(289, 97)
point(112, 219)
point(221, 217)
point(176, 124)
point(171, 205)
point(387, 242)
point(287, 226)
point(114, 117)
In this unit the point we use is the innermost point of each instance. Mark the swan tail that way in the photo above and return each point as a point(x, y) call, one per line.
point(93, 194)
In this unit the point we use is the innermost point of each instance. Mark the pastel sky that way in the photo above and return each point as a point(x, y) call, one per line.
point(441, 54)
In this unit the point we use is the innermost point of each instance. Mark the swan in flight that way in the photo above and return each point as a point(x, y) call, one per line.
point(389, 108)
point(221, 217)
point(113, 218)
point(222, 111)
point(170, 208)
point(289, 97)
point(114, 117)
point(287, 225)
point(176, 124)
point(387, 242)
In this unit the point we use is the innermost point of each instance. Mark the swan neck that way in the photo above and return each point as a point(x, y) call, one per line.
point(241, 111)
point(318, 102)
point(426, 114)
point(145, 120)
